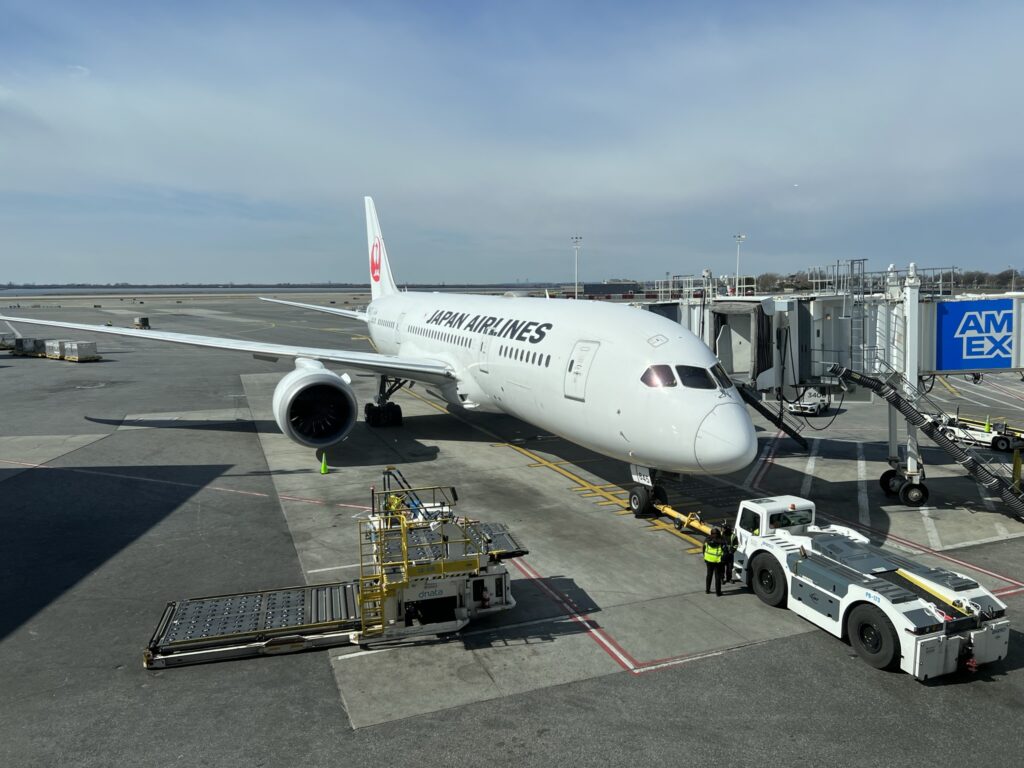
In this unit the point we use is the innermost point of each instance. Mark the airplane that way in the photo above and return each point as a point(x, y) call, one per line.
point(618, 380)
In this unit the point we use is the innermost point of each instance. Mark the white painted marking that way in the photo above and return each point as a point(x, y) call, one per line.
point(989, 504)
point(805, 487)
point(370, 652)
point(17, 333)
point(862, 486)
point(1005, 537)
point(930, 529)
point(757, 465)
point(333, 568)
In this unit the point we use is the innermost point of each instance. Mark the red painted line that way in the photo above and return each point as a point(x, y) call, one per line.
point(1007, 591)
point(605, 641)
point(608, 645)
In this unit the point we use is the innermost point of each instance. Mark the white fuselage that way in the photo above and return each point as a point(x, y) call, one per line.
point(575, 369)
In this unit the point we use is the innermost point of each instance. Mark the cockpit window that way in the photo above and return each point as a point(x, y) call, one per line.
point(659, 376)
point(695, 378)
point(723, 378)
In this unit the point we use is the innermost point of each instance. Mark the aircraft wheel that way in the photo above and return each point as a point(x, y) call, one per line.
point(768, 580)
point(373, 415)
point(890, 482)
point(393, 414)
point(1001, 444)
point(914, 495)
point(640, 501)
point(659, 494)
point(872, 636)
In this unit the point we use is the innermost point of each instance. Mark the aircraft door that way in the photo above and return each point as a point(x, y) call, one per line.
point(576, 375)
point(398, 329)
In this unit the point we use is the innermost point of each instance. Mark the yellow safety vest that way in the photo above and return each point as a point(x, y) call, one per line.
point(712, 554)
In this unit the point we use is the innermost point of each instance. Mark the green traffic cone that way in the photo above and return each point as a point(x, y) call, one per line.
point(323, 463)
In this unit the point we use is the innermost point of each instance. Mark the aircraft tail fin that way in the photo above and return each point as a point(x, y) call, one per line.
point(381, 281)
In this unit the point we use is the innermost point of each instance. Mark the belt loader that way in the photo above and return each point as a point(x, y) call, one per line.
point(894, 612)
point(422, 572)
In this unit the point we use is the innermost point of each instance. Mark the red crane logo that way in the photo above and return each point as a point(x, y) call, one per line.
point(375, 260)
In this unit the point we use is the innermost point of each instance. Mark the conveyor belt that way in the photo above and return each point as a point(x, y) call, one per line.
point(425, 543)
point(252, 619)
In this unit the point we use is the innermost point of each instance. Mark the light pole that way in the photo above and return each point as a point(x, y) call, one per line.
point(577, 243)
point(739, 239)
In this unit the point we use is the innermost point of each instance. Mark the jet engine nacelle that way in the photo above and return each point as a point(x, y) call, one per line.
point(313, 406)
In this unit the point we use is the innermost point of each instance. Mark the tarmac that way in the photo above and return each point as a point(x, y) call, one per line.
point(158, 474)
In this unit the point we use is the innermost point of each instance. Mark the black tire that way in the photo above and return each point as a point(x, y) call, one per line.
point(914, 495)
point(768, 580)
point(890, 482)
point(677, 523)
point(659, 494)
point(1001, 444)
point(873, 636)
point(392, 415)
point(640, 501)
point(373, 415)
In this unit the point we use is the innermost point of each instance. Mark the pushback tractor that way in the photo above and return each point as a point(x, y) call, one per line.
point(896, 613)
point(423, 572)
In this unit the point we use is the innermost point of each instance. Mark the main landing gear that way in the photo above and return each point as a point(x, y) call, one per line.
point(382, 412)
point(911, 492)
point(646, 493)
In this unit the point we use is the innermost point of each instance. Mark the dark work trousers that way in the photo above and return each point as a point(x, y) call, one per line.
point(714, 569)
point(727, 559)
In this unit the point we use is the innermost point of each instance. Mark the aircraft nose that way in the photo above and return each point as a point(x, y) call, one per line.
point(725, 440)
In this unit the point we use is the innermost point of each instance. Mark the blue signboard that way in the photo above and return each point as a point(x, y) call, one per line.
point(973, 335)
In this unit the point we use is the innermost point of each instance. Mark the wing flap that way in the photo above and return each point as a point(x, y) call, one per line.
point(423, 370)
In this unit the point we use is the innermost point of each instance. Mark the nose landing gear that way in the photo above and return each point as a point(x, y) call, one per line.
point(646, 493)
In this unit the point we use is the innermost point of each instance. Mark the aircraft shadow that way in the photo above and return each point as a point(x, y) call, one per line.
point(61, 524)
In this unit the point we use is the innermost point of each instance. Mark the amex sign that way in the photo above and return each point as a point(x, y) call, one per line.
point(974, 335)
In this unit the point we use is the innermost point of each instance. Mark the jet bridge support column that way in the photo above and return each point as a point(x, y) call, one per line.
point(911, 367)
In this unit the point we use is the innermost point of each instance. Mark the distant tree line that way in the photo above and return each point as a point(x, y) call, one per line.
point(970, 279)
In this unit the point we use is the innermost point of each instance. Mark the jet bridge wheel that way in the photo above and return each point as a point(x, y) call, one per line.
point(768, 580)
point(890, 482)
point(914, 495)
point(872, 636)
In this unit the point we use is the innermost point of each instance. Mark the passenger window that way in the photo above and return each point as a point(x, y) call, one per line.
point(547, 361)
point(659, 376)
point(749, 521)
point(723, 378)
point(695, 378)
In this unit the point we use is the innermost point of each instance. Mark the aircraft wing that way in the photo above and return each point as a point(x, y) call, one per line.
point(354, 314)
point(417, 369)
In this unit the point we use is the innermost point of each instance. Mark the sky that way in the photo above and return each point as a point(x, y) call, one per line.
point(233, 142)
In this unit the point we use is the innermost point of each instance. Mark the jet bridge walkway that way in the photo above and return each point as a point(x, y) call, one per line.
point(993, 477)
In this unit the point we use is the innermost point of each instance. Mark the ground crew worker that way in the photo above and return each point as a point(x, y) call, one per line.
point(731, 543)
point(714, 551)
point(393, 503)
